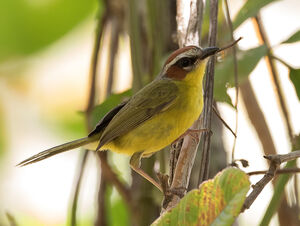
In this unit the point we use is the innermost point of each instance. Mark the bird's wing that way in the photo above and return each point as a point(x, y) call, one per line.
point(106, 119)
point(148, 102)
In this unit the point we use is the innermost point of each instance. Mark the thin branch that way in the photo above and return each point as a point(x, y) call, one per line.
point(279, 171)
point(275, 161)
point(208, 93)
point(78, 179)
point(111, 177)
point(257, 118)
point(236, 81)
point(89, 107)
point(114, 45)
point(234, 42)
point(262, 36)
point(223, 121)
point(282, 61)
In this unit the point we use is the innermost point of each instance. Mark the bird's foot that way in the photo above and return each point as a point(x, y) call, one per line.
point(168, 191)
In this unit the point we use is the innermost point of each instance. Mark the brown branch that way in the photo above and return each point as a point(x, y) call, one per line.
point(181, 29)
point(183, 153)
point(193, 32)
point(257, 118)
point(284, 209)
point(111, 177)
point(223, 121)
point(234, 42)
point(279, 171)
point(282, 61)
point(275, 161)
point(263, 39)
point(114, 18)
point(208, 93)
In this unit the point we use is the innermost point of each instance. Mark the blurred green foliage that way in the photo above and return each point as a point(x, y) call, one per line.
point(112, 101)
point(249, 9)
point(68, 123)
point(28, 26)
point(224, 73)
point(117, 212)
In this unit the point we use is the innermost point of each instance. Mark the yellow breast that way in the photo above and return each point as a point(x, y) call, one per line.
point(162, 129)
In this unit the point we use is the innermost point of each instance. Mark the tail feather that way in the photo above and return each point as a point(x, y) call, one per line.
point(56, 150)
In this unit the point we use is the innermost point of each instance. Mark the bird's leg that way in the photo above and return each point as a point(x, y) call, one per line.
point(194, 133)
point(135, 163)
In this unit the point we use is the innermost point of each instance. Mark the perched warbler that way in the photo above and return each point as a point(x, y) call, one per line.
point(154, 117)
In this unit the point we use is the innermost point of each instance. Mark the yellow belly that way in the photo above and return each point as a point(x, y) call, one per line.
point(162, 129)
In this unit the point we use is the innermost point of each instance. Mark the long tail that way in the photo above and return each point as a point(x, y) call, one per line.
point(58, 149)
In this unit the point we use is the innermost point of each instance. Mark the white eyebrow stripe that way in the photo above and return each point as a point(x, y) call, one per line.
point(188, 53)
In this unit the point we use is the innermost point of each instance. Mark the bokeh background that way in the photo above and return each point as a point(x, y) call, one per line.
point(45, 54)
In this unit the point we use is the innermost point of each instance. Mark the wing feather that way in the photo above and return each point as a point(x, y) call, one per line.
point(148, 102)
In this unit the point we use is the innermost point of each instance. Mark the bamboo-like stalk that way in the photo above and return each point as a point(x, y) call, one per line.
point(208, 93)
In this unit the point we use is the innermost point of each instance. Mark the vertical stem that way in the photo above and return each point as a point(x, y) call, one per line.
point(114, 45)
point(183, 153)
point(208, 93)
point(236, 81)
point(135, 46)
point(90, 104)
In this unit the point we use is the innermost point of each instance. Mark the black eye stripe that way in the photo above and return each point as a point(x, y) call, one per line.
point(186, 62)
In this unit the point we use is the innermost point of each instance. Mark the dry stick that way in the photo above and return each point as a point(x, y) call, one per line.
point(208, 93)
point(279, 171)
point(275, 161)
point(183, 153)
point(193, 33)
point(181, 29)
point(223, 121)
point(90, 104)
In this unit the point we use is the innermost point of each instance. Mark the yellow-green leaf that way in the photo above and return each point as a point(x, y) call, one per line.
point(216, 202)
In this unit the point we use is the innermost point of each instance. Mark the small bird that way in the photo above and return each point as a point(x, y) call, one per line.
point(154, 117)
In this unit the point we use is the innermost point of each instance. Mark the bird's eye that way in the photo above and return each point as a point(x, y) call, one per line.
point(186, 62)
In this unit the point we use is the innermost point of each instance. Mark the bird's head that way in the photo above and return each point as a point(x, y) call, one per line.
point(183, 62)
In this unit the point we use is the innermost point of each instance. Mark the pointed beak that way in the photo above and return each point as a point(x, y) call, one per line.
point(206, 52)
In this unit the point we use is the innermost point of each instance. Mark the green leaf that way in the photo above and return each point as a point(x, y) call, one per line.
point(216, 202)
point(293, 38)
point(28, 26)
point(295, 78)
point(224, 72)
point(112, 101)
point(249, 9)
